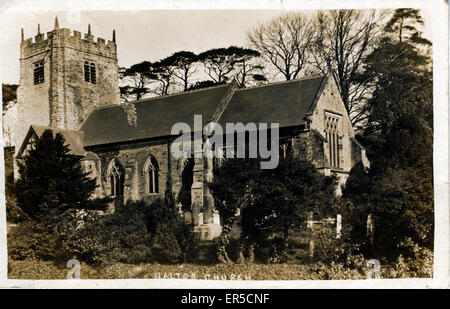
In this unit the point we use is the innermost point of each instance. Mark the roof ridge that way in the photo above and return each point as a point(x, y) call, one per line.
point(53, 129)
point(282, 82)
point(162, 96)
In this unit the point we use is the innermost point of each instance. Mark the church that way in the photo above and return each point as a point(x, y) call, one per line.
point(70, 84)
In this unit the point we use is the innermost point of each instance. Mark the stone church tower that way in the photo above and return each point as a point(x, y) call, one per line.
point(63, 77)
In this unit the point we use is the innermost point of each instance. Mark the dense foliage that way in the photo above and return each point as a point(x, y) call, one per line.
point(398, 189)
point(172, 239)
point(9, 94)
point(272, 203)
point(134, 233)
point(52, 180)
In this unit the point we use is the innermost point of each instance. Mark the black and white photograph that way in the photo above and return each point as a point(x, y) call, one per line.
point(193, 145)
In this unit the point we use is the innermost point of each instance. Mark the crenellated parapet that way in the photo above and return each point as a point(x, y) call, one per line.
point(64, 37)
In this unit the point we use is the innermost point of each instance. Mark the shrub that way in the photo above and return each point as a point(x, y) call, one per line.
point(331, 250)
point(165, 245)
point(172, 239)
point(31, 240)
point(95, 239)
point(416, 261)
point(135, 233)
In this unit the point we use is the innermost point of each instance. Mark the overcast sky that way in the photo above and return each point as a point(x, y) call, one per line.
point(140, 35)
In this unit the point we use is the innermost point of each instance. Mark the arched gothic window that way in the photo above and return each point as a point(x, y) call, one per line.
point(115, 177)
point(151, 172)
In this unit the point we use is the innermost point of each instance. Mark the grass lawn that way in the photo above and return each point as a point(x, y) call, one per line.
point(48, 270)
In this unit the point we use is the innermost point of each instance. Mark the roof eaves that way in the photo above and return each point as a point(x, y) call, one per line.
point(27, 136)
point(313, 105)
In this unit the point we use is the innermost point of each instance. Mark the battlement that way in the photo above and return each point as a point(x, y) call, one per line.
point(64, 37)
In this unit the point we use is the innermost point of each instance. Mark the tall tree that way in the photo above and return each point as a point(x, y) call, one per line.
point(184, 62)
point(52, 180)
point(404, 24)
point(249, 69)
point(398, 189)
point(284, 42)
point(163, 72)
point(401, 72)
point(220, 63)
point(136, 81)
point(343, 39)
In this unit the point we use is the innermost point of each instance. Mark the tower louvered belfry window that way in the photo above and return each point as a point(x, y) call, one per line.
point(333, 138)
point(38, 76)
point(93, 77)
point(90, 72)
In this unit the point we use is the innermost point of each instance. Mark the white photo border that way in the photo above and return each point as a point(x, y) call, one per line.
point(440, 26)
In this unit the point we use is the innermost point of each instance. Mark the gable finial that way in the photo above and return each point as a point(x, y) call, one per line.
point(89, 29)
point(114, 36)
point(56, 22)
point(22, 37)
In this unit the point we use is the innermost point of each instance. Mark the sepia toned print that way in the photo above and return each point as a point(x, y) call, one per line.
point(297, 147)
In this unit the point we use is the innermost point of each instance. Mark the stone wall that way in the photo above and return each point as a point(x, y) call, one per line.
point(310, 145)
point(32, 100)
point(330, 100)
point(82, 97)
point(132, 158)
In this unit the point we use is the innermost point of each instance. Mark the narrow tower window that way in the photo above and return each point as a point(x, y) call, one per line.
point(87, 72)
point(38, 72)
point(90, 73)
point(93, 78)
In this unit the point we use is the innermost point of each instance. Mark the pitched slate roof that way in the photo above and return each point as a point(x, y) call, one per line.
point(154, 117)
point(285, 103)
point(73, 138)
